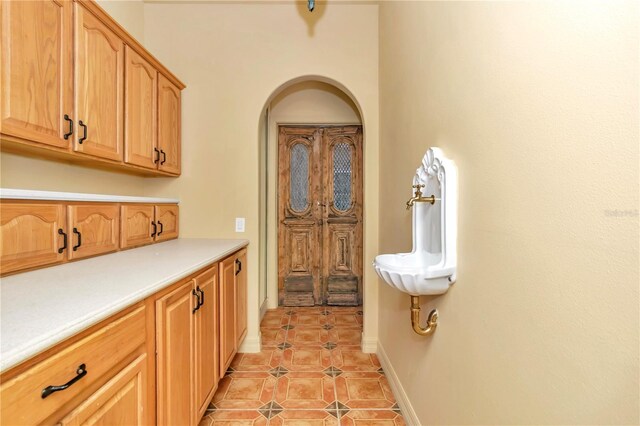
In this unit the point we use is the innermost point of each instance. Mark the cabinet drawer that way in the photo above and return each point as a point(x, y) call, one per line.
point(94, 229)
point(138, 223)
point(21, 397)
point(31, 235)
point(167, 221)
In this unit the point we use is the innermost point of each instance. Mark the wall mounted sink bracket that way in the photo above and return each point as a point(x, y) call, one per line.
point(431, 267)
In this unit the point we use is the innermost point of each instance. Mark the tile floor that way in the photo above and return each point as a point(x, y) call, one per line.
point(311, 371)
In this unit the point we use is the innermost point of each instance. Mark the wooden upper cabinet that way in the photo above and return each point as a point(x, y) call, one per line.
point(140, 111)
point(99, 72)
point(166, 221)
point(36, 68)
point(31, 235)
point(93, 229)
point(137, 227)
point(169, 132)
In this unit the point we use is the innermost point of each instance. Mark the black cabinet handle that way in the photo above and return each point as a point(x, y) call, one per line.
point(164, 157)
point(201, 294)
point(155, 228)
point(161, 228)
point(84, 136)
point(239, 266)
point(64, 240)
point(197, 295)
point(77, 246)
point(66, 135)
point(81, 372)
point(157, 151)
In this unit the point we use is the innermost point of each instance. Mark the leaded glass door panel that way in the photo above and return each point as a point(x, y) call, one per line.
point(320, 215)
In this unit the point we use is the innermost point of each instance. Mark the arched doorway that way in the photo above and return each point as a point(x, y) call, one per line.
point(309, 101)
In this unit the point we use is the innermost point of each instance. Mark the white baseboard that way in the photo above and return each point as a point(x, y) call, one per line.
point(402, 399)
point(263, 308)
point(251, 345)
point(369, 345)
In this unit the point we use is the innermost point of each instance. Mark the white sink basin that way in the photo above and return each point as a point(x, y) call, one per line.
point(415, 273)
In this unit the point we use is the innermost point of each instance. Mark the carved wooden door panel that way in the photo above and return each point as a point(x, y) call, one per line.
point(320, 216)
point(342, 215)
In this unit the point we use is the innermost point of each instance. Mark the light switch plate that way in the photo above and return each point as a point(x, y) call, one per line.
point(239, 224)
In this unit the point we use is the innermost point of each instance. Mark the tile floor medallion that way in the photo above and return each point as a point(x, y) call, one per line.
point(310, 372)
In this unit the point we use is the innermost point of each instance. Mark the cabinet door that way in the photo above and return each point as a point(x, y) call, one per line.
point(121, 401)
point(137, 225)
point(93, 229)
point(99, 65)
point(140, 109)
point(241, 294)
point(167, 221)
point(31, 235)
point(206, 348)
point(169, 111)
point(174, 342)
point(228, 339)
point(36, 68)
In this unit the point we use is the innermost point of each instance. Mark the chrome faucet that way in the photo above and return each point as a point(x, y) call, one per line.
point(418, 198)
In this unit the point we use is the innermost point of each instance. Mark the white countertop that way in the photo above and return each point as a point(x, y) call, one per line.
point(28, 194)
point(41, 308)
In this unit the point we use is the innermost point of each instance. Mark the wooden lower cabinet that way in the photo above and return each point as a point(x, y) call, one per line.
point(137, 225)
point(166, 216)
point(228, 307)
point(192, 326)
point(206, 340)
point(121, 401)
point(101, 354)
point(241, 296)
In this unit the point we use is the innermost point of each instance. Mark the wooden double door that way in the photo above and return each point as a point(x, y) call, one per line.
point(320, 215)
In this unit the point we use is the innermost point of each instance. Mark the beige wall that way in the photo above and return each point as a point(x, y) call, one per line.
point(128, 13)
point(303, 103)
point(538, 105)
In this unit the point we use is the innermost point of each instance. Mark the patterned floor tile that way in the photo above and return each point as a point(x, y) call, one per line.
point(347, 319)
point(304, 418)
point(236, 417)
point(306, 358)
point(364, 390)
point(275, 321)
point(345, 336)
point(353, 359)
point(308, 336)
point(310, 318)
point(371, 418)
point(272, 337)
point(262, 361)
point(304, 390)
point(244, 390)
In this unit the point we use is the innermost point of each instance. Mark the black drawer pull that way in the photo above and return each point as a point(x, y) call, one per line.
point(155, 228)
point(161, 228)
point(197, 295)
point(77, 246)
point(84, 136)
point(64, 240)
point(66, 135)
point(201, 294)
point(164, 157)
point(157, 151)
point(81, 372)
point(239, 266)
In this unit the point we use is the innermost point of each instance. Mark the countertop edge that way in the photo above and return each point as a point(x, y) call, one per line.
point(28, 194)
point(35, 347)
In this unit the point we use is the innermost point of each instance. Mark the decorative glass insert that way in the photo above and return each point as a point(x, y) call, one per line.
point(299, 178)
point(342, 176)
